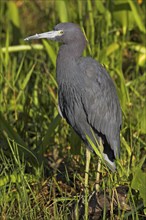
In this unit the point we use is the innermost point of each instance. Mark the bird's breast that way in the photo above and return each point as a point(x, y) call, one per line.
point(68, 95)
point(69, 99)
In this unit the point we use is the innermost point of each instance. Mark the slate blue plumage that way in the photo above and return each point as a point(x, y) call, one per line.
point(86, 93)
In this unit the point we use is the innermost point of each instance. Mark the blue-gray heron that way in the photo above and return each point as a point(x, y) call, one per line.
point(87, 95)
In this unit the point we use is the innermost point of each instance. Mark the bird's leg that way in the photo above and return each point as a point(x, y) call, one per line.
point(98, 176)
point(98, 169)
point(88, 157)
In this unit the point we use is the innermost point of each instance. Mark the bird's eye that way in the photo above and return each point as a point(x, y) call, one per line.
point(61, 32)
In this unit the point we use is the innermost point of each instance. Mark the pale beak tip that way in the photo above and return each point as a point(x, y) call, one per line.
point(36, 36)
point(26, 39)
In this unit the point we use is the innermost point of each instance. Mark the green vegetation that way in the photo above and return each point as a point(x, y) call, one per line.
point(41, 158)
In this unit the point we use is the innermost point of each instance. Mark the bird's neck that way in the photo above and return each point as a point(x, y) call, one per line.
point(71, 51)
point(67, 59)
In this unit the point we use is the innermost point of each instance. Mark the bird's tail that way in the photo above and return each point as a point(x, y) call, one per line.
point(111, 164)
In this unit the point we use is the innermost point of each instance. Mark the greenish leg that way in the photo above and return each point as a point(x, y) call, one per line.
point(98, 169)
point(88, 157)
point(98, 176)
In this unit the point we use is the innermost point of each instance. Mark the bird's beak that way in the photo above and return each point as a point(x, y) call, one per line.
point(48, 35)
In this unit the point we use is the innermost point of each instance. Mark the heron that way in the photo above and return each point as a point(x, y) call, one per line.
point(87, 96)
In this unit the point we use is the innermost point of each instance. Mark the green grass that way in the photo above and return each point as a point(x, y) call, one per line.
point(42, 162)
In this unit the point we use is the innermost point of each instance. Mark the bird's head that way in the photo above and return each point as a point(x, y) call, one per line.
point(65, 33)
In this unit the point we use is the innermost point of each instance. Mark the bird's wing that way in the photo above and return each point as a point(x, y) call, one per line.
point(100, 102)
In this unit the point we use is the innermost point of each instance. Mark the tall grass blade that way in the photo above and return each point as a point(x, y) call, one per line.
point(50, 51)
point(49, 133)
point(10, 134)
point(62, 10)
point(25, 82)
point(137, 15)
point(13, 13)
point(5, 127)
